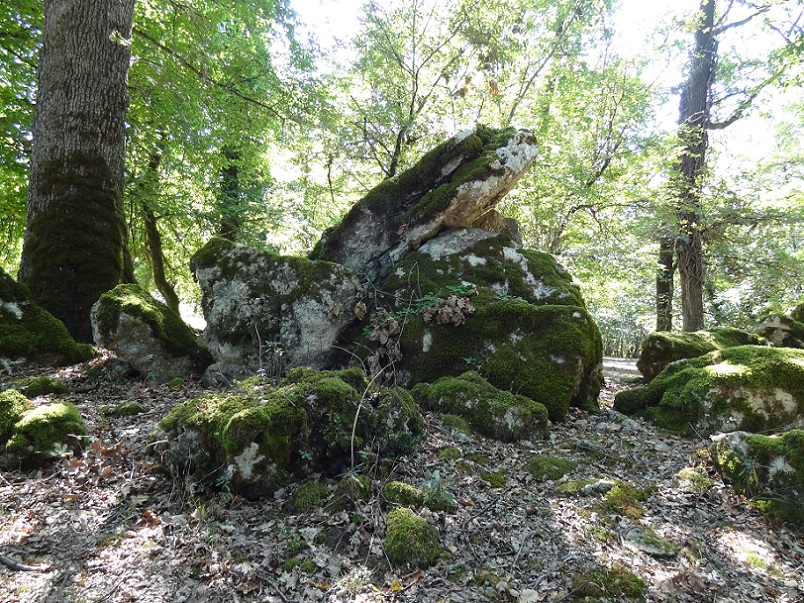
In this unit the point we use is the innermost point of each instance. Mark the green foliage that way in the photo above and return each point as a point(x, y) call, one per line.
point(437, 496)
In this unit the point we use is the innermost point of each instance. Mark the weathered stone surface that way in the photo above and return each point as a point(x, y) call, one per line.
point(260, 437)
point(661, 348)
point(28, 332)
point(748, 388)
point(769, 469)
point(782, 331)
point(455, 185)
point(147, 334)
point(269, 312)
point(470, 299)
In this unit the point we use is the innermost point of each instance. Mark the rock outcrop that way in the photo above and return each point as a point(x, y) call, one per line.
point(30, 333)
point(271, 313)
point(744, 388)
point(147, 334)
point(455, 185)
point(782, 330)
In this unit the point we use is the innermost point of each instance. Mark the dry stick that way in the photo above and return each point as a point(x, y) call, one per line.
point(21, 567)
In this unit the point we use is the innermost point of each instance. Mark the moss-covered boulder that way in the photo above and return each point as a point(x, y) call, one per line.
point(259, 437)
point(147, 334)
point(767, 469)
point(750, 388)
point(454, 185)
point(269, 312)
point(490, 411)
point(40, 430)
point(471, 299)
point(783, 330)
point(410, 542)
point(32, 387)
point(662, 347)
point(13, 405)
point(30, 333)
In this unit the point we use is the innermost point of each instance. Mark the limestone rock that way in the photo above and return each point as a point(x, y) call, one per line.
point(769, 469)
point(260, 437)
point(661, 347)
point(269, 312)
point(30, 333)
point(748, 388)
point(147, 334)
point(455, 185)
point(471, 299)
point(782, 331)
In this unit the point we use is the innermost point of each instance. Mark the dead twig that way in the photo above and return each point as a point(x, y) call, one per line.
point(21, 567)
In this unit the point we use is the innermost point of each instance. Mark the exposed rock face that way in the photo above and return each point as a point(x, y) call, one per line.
point(471, 299)
point(455, 185)
point(661, 348)
point(745, 388)
point(261, 437)
point(30, 333)
point(147, 334)
point(269, 312)
point(782, 331)
point(769, 469)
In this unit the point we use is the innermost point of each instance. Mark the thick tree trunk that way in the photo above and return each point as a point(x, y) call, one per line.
point(694, 115)
point(664, 286)
point(75, 232)
point(230, 197)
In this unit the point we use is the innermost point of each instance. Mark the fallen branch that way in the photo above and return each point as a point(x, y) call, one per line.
point(21, 567)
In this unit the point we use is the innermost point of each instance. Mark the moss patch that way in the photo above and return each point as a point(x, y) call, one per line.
point(410, 542)
point(13, 405)
point(490, 411)
point(403, 494)
point(309, 496)
point(616, 583)
point(752, 388)
point(550, 467)
point(28, 331)
point(36, 433)
point(39, 386)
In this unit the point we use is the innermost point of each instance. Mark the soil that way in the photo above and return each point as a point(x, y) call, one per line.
point(110, 526)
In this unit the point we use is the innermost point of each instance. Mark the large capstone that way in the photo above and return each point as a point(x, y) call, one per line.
point(270, 313)
point(455, 185)
point(30, 333)
point(473, 300)
point(744, 388)
point(147, 334)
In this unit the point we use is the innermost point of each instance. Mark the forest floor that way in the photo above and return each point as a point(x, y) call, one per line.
point(108, 527)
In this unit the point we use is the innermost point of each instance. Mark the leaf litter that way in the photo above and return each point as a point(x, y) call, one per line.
point(108, 526)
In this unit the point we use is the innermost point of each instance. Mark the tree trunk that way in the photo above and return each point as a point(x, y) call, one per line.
point(230, 195)
point(664, 286)
point(694, 115)
point(75, 231)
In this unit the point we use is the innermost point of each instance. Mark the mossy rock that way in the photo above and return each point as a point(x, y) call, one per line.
point(410, 542)
point(615, 584)
point(550, 467)
point(751, 388)
point(783, 331)
point(271, 313)
point(39, 386)
point(403, 494)
point(261, 437)
point(492, 412)
point(767, 469)
point(29, 332)
point(453, 185)
point(478, 302)
point(309, 496)
point(13, 405)
point(661, 347)
point(38, 432)
point(147, 334)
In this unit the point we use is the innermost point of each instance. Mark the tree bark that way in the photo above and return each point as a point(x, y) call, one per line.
point(75, 232)
point(694, 116)
point(665, 286)
point(230, 202)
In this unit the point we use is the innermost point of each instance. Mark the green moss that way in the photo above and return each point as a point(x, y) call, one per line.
point(13, 405)
point(177, 383)
point(309, 496)
point(74, 247)
point(410, 542)
point(39, 386)
point(449, 453)
point(625, 500)
point(695, 478)
point(128, 409)
point(495, 479)
point(350, 489)
point(166, 325)
point(661, 347)
point(491, 412)
point(615, 583)
point(36, 433)
point(750, 388)
point(403, 494)
point(454, 423)
point(28, 331)
point(550, 468)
